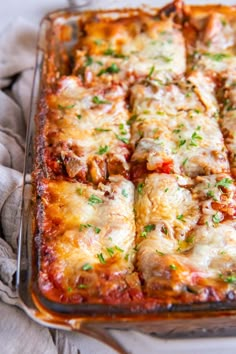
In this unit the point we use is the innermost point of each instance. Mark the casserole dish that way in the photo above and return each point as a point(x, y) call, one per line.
point(57, 41)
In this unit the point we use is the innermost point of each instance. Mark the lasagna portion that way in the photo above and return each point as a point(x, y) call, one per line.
point(175, 131)
point(86, 131)
point(88, 240)
point(186, 239)
point(136, 160)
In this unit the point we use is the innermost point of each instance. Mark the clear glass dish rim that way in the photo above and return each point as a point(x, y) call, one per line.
point(28, 290)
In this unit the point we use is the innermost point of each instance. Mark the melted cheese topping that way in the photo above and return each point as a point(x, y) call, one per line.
point(162, 201)
point(157, 52)
point(87, 226)
point(180, 224)
point(88, 131)
point(151, 99)
point(190, 142)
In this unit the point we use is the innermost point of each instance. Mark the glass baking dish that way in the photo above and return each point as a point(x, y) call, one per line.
point(200, 319)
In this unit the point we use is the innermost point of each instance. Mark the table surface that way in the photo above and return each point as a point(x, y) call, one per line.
point(34, 10)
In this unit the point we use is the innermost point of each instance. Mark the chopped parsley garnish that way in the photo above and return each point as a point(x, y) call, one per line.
point(124, 193)
point(147, 229)
point(182, 142)
point(97, 100)
point(166, 59)
point(132, 119)
point(119, 55)
point(87, 266)
point(111, 251)
point(225, 182)
point(190, 239)
point(101, 258)
point(69, 289)
point(228, 279)
point(82, 286)
point(164, 230)
point(89, 61)
point(176, 131)
point(122, 129)
point(109, 51)
point(223, 22)
point(119, 249)
point(195, 137)
point(79, 191)
point(151, 71)
point(188, 94)
point(185, 161)
point(66, 107)
point(216, 218)
point(112, 69)
point(79, 116)
point(101, 130)
point(103, 150)
point(126, 258)
point(160, 253)
point(93, 199)
point(210, 194)
point(121, 138)
point(84, 226)
point(98, 41)
point(217, 56)
point(173, 266)
point(140, 188)
point(180, 217)
point(166, 190)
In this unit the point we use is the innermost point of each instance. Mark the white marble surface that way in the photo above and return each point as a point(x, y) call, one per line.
point(34, 10)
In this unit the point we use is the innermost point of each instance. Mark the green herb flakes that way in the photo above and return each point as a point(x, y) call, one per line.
point(216, 218)
point(151, 71)
point(97, 100)
point(93, 199)
point(217, 56)
point(112, 69)
point(140, 188)
point(66, 107)
point(147, 229)
point(110, 251)
point(173, 266)
point(225, 182)
point(89, 61)
point(103, 150)
point(101, 258)
point(101, 130)
point(87, 266)
point(160, 253)
point(119, 249)
point(82, 286)
point(121, 138)
point(180, 217)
